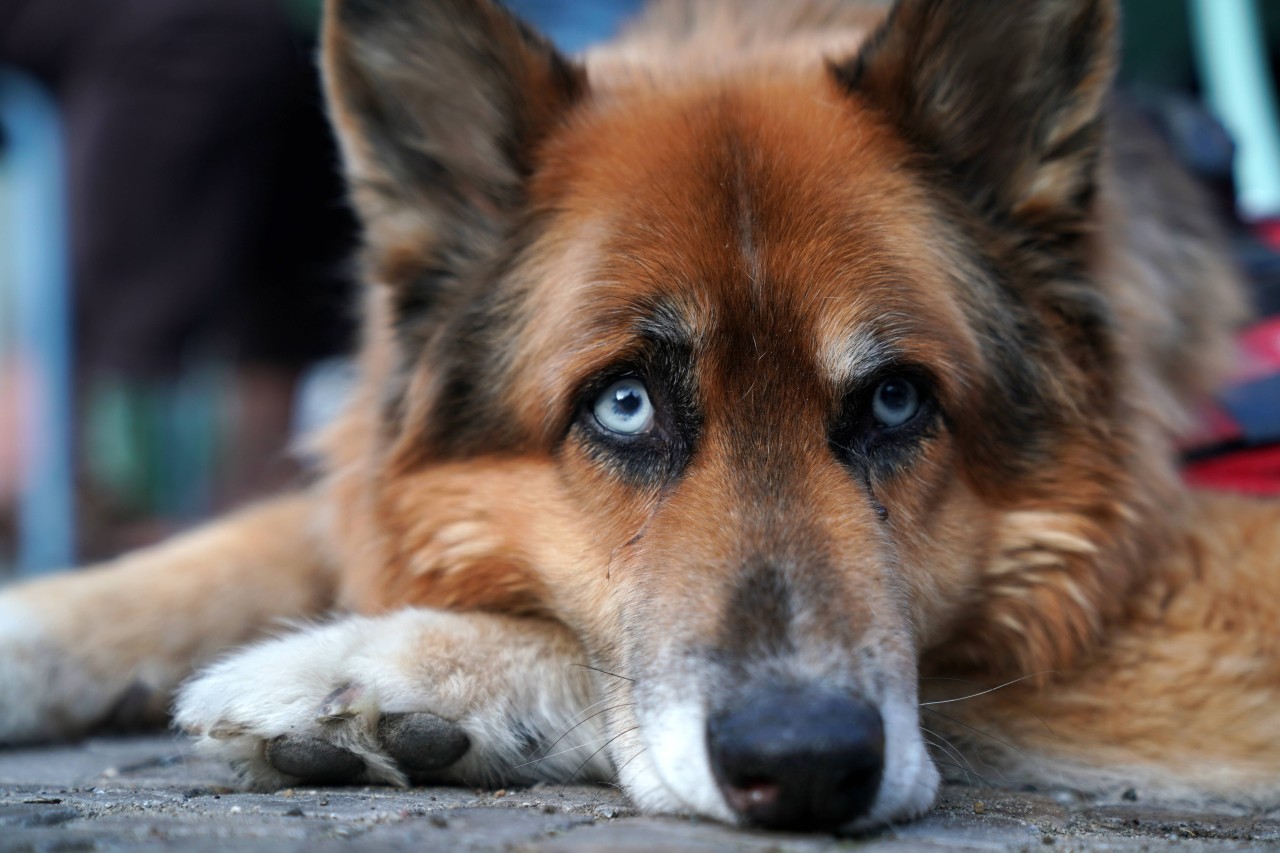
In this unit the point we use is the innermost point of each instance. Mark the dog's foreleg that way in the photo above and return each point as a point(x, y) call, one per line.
point(471, 698)
point(107, 646)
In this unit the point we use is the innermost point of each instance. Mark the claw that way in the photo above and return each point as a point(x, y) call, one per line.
point(220, 731)
point(340, 704)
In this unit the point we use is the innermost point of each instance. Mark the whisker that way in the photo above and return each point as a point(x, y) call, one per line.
point(1022, 706)
point(576, 725)
point(614, 785)
point(946, 752)
point(964, 771)
point(597, 752)
point(566, 752)
point(617, 774)
point(589, 707)
point(991, 690)
point(976, 730)
point(948, 747)
point(603, 671)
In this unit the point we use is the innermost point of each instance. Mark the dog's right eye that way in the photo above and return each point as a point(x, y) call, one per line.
point(624, 408)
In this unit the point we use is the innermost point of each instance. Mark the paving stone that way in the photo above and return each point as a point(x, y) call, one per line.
point(153, 793)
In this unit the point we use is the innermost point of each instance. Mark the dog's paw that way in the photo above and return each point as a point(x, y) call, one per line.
point(417, 743)
point(416, 695)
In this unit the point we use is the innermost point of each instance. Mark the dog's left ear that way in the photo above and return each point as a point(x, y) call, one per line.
point(1007, 95)
point(440, 106)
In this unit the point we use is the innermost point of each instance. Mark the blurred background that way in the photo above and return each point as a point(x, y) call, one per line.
point(175, 274)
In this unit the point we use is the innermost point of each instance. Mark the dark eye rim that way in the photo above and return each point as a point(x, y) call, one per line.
point(649, 458)
point(648, 396)
point(856, 429)
point(586, 415)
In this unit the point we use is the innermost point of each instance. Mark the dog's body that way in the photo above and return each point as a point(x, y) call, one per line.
point(718, 396)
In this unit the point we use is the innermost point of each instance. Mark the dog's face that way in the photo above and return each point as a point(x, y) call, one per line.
point(745, 378)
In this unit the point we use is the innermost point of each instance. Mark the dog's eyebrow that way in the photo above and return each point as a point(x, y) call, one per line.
point(663, 320)
point(856, 358)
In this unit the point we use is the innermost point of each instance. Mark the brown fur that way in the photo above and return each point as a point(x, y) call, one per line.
point(762, 219)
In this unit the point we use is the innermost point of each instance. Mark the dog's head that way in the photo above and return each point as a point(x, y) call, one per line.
point(766, 377)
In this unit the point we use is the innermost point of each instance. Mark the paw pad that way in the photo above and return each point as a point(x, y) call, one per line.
point(422, 743)
point(418, 744)
point(313, 759)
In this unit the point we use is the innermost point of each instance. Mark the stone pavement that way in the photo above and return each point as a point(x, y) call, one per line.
point(151, 793)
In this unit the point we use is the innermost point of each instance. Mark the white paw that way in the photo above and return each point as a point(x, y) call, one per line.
point(472, 698)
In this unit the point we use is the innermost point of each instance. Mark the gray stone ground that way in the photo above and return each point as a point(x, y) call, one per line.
point(152, 793)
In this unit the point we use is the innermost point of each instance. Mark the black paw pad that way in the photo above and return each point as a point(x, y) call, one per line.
point(422, 743)
point(313, 760)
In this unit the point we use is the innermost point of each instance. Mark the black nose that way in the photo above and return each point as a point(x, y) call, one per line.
point(798, 758)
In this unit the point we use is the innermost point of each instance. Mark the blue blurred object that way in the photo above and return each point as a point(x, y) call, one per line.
point(37, 247)
point(1234, 64)
point(576, 24)
point(1255, 408)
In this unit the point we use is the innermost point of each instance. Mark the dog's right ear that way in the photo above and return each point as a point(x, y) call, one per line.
point(1007, 95)
point(440, 106)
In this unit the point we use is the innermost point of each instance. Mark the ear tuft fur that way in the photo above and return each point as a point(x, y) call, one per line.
point(1008, 97)
point(441, 106)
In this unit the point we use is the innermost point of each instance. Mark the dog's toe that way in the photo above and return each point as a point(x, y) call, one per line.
point(421, 742)
point(313, 760)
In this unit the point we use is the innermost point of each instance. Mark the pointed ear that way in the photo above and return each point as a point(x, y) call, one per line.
point(440, 106)
point(1008, 95)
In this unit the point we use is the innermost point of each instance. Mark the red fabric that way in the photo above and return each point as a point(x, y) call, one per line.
point(1259, 350)
point(1268, 231)
point(1252, 472)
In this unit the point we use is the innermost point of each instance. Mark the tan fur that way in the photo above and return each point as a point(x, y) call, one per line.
point(114, 642)
point(1181, 698)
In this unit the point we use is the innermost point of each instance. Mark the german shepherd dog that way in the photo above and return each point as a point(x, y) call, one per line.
point(727, 395)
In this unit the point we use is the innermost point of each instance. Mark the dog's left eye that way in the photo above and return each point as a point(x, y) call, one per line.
point(896, 401)
point(624, 408)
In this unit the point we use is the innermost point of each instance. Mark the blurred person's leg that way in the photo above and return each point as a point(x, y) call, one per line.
point(305, 315)
point(171, 116)
point(171, 108)
point(174, 110)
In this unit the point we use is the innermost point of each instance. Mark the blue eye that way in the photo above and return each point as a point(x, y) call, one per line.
point(624, 408)
point(896, 401)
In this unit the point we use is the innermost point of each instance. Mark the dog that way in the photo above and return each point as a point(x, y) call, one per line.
point(736, 400)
